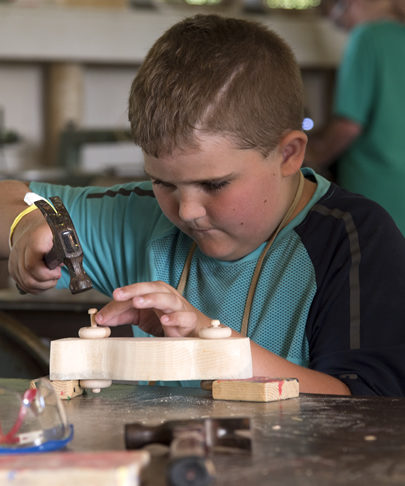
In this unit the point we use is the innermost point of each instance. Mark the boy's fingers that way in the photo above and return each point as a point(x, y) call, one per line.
point(178, 323)
point(164, 302)
point(35, 279)
point(159, 297)
point(116, 313)
point(138, 289)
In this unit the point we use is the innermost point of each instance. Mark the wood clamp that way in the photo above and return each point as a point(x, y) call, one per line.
point(66, 246)
point(191, 444)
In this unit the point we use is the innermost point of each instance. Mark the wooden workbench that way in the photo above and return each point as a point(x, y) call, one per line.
point(311, 440)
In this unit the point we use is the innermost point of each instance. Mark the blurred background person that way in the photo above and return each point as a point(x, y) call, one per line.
point(363, 145)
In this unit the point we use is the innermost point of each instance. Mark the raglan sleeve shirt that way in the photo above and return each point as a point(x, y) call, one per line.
point(356, 324)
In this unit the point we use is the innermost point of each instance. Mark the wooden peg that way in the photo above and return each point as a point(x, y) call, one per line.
point(215, 331)
point(94, 332)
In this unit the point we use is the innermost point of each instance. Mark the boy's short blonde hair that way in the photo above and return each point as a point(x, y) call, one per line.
point(216, 75)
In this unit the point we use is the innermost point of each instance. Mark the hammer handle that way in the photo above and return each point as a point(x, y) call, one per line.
point(138, 435)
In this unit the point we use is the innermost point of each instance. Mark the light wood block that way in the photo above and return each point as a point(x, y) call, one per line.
point(104, 468)
point(150, 359)
point(65, 390)
point(256, 389)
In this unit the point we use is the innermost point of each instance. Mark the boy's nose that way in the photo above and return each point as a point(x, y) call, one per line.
point(191, 209)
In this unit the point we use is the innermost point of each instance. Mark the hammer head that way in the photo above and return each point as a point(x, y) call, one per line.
point(216, 434)
point(66, 246)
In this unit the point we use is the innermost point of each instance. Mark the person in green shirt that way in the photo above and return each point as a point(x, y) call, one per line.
point(365, 136)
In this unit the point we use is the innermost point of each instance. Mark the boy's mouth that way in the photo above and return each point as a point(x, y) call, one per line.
point(198, 228)
point(200, 232)
point(196, 231)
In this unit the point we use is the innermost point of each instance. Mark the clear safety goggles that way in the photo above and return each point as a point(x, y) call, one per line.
point(33, 421)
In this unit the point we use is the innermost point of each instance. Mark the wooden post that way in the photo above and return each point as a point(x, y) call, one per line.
point(64, 103)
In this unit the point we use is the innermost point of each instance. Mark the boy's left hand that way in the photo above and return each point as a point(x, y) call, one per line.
point(156, 307)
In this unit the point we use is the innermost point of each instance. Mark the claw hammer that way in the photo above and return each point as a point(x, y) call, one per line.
point(66, 246)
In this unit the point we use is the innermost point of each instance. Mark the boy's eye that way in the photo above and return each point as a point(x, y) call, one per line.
point(157, 182)
point(214, 186)
point(209, 186)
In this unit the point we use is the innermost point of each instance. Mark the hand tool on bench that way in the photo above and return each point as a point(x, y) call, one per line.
point(191, 444)
point(66, 246)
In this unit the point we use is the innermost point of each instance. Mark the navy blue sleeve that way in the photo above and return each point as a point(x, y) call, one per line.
point(356, 324)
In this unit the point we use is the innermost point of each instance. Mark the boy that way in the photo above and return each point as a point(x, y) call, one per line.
point(312, 274)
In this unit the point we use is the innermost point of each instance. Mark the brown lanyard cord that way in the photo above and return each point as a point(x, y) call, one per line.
point(255, 278)
point(186, 269)
point(252, 288)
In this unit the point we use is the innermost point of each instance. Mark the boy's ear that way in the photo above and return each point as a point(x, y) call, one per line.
point(292, 151)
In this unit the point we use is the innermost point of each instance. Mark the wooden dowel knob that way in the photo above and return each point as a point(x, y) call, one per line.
point(94, 331)
point(215, 331)
point(95, 385)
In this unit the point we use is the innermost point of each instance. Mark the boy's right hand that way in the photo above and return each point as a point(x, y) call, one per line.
point(155, 307)
point(32, 240)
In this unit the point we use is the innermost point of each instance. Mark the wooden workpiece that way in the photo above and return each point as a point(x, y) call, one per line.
point(256, 389)
point(95, 360)
point(166, 359)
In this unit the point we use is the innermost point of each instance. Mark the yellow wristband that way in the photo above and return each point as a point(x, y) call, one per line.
point(18, 218)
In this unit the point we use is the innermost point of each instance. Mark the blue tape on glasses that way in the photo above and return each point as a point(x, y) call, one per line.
point(49, 446)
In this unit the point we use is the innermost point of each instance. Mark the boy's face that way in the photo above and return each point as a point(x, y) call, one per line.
point(227, 200)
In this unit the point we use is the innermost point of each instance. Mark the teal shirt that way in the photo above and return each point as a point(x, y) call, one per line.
point(130, 240)
point(329, 296)
point(371, 91)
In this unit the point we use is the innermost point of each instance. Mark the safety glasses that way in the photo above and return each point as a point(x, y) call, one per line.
point(34, 420)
